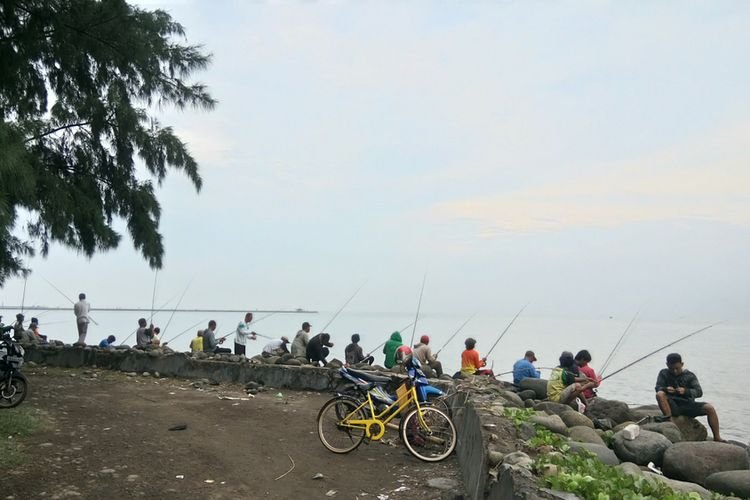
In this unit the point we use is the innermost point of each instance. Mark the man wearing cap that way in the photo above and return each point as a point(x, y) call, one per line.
point(676, 390)
point(423, 353)
point(524, 368)
point(276, 347)
point(299, 345)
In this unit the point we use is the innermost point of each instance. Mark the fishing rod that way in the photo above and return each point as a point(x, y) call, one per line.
point(383, 343)
point(419, 305)
point(183, 332)
point(455, 333)
point(177, 306)
point(158, 310)
point(511, 371)
point(617, 345)
point(660, 349)
point(254, 321)
point(153, 297)
point(23, 297)
point(342, 307)
point(67, 298)
point(505, 331)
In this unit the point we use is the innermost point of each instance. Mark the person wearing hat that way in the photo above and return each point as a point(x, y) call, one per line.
point(676, 390)
point(276, 347)
point(429, 362)
point(471, 364)
point(299, 345)
point(354, 355)
point(566, 383)
point(524, 368)
point(317, 349)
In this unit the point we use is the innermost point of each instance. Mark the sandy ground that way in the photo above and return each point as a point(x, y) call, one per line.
point(107, 437)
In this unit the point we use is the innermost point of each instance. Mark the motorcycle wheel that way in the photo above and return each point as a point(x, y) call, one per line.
point(12, 394)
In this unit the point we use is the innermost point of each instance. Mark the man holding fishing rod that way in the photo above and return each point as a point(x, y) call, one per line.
point(676, 390)
point(242, 334)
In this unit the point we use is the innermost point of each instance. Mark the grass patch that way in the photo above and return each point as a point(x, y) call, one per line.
point(16, 424)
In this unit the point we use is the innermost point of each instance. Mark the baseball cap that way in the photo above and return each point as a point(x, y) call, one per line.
point(530, 354)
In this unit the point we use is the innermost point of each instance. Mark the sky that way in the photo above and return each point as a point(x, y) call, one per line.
point(589, 158)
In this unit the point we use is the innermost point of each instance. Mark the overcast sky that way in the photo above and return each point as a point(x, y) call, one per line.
point(588, 157)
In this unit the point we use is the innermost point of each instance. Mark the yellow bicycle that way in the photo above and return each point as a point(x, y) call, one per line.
point(344, 422)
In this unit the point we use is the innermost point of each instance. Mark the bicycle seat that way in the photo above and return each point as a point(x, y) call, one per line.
point(378, 379)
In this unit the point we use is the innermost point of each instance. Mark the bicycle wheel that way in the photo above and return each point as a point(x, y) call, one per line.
point(333, 433)
point(441, 403)
point(430, 438)
point(13, 394)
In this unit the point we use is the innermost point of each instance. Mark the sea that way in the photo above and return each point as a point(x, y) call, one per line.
point(717, 356)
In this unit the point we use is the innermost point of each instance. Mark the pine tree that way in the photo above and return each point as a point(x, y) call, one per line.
point(79, 80)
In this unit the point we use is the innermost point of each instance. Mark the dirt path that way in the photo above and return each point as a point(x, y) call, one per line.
point(107, 437)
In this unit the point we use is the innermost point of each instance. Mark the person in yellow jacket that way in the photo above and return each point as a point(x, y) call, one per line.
point(196, 345)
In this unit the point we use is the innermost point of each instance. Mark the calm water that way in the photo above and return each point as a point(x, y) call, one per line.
point(717, 356)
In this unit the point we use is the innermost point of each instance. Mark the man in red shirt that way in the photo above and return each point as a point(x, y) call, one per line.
point(583, 358)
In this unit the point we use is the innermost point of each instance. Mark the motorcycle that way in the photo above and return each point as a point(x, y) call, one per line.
point(360, 382)
point(13, 383)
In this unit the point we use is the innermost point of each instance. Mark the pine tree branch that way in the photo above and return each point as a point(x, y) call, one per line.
point(54, 130)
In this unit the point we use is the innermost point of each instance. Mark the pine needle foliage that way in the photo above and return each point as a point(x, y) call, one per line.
point(79, 82)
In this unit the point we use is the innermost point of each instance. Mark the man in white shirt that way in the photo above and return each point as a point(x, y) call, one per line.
point(81, 310)
point(275, 348)
point(243, 333)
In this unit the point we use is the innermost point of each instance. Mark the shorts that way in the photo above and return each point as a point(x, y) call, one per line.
point(686, 408)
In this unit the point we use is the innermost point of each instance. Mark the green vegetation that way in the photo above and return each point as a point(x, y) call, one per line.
point(583, 474)
point(15, 423)
point(80, 84)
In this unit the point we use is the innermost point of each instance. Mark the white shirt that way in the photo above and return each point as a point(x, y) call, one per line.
point(243, 332)
point(273, 345)
point(81, 310)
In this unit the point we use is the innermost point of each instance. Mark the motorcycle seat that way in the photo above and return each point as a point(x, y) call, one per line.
point(369, 377)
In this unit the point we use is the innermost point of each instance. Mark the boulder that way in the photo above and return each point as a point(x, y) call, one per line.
point(512, 397)
point(630, 468)
point(538, 385)
point(271, 360)
point(640, 412)
point(551, 422)
point(526, 431)
point(678, 486)
point(734, 482)
point(585, 434)
point(292, 362)
point(690, 429)
point(604, 454)
point(529, 403)
point(646, 447)
point(667, 429)
point(575, 419)
point(335, 363)
point(695, 461)
point(518, 458)
point(527, 394)
point(552, 408)
point(617, 411)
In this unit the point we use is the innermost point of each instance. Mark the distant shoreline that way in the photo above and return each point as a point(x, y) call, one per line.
point(139, 309)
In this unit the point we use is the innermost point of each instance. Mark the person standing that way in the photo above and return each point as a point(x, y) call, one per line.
point(317, 349)
point(423, 353)
point(524, 368)
point(390, 348)
point(210, 344)
point(81, 310)
point(676, 390)
point(299, 344)
point(242, 334)
point(353, 353)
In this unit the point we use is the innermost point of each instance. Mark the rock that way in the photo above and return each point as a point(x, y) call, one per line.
point(644, 411)
point(575, 419)
point(690, 429)
point(735, 482)
point(695, 461)
point(552, 408)
point(646, 447)
point(538, 385)
point(529, 403)
point(606, 408)
point(585, 434)
point(200, 355)
point(131, 374)
point(107, 471)
point(292, 362)
point(495, 457)
point(442, 483)
point(145, 374)
point(512, 397)
point(335, 364)
point(667, 429)
point(630, 468)
point(678, 486)
point(527, 394)
point(252, 385)
point(518, 458)
point(526, 431)
point(235, 358)
point(551, 422)
point(630, 432)
point(604, 454)
point(271, 360)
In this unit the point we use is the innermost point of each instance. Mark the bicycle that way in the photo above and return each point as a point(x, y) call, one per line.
point(344, 422)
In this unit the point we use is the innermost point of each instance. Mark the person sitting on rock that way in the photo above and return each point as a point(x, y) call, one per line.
point(354, 355)
point(429, 362)
point(34, 327)
point(317, 349)
point(299, 345)
point(108, 343)
point(210, 344)
point(390, 349)
point(196, 345)
point(676, 390)
point(403, 352)
point(583, 358)
point(524, 368)
point(143, 335)
point(19, 330)
point(565, 383)
point(471, 364)
point(276, 347)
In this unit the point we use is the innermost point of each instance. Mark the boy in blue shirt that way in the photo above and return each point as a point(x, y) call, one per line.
point(523, 368)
